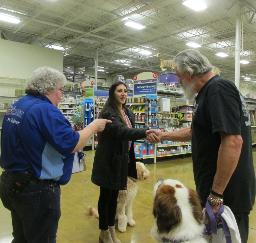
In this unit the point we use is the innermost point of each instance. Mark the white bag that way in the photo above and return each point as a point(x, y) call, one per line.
point(226, 230)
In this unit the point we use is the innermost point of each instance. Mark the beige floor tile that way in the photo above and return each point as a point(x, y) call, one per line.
point(77, 226)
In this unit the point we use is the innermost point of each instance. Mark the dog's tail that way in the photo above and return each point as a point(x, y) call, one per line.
point(93, 212)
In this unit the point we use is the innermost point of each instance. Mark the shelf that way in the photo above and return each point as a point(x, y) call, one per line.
point(67, 103)
point(172, 145)
point(135, 104)
point(170, 155)
point(139, 122)
point(150, 156)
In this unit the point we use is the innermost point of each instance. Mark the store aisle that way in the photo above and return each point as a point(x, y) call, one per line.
point(77, 227)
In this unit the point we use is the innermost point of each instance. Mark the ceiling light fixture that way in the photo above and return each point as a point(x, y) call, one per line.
point(124, 62)
point(221, 54)
point(142, 51)
point(247, 78)
point(11, 10)
point(134, 25)
point(193, 44)
point(9, 18)
point(244, 62)
point(196, 5)
point(56, 47)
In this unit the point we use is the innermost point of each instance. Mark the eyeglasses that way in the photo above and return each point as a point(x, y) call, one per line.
point(61, 89)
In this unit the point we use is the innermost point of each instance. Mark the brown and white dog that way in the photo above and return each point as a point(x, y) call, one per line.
point(178, 213)
point(124, 211)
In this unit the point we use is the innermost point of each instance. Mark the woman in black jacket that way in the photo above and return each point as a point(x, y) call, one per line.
point(115, 158)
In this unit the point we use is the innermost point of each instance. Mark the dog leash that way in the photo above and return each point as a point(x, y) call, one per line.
point(216, 221)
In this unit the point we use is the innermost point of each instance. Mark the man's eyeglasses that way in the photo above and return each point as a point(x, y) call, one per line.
point(61, 90)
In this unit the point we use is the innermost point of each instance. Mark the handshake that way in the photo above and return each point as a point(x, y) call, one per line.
point(153, 135)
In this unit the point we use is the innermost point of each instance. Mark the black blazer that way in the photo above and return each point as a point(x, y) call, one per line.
point(113, 162)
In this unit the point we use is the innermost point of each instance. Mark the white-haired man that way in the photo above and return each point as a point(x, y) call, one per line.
point(38, 145)
point(221, 138)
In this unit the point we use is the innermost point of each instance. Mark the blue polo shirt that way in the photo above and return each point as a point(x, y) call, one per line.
point(37, 138)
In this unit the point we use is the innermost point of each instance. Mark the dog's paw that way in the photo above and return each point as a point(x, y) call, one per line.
point(122, 223)
point(131, 222)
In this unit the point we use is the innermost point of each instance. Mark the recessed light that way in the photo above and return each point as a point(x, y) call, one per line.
point(221, 54)
point(134, 25)
point(247, 78)
point(244, 62)
point(196, 5)
point(56, 47)
point(142, 51)
point(193, 44)
point(9, 18)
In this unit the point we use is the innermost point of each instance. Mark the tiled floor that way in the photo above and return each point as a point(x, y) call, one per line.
point(77, 227)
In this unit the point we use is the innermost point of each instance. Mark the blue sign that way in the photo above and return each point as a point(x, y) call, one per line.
point(168, 78)
point(145, 88)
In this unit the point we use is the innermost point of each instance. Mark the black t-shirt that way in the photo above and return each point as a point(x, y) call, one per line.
point(220, 109)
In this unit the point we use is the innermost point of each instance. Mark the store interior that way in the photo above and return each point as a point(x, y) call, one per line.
point(96, 43)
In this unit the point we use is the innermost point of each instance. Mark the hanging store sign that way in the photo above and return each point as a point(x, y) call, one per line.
point(144, 88)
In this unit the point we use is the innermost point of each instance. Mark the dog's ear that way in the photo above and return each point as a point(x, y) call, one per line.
point(165, 209)
point(196, 206)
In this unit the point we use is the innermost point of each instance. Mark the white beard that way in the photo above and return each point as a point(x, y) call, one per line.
point(189, 93)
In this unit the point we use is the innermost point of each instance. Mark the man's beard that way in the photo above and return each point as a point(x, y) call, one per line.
point(189, 93)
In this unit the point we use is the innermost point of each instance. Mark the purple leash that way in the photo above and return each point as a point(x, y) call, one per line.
point(216, 221)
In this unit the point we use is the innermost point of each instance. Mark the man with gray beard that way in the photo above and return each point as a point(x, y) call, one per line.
point(221, 138)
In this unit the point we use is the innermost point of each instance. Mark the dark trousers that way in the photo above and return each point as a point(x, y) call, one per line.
point(242, 220)
point(107, 207)
point(34, 206)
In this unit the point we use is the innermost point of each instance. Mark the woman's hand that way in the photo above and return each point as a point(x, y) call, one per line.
point(153, 135)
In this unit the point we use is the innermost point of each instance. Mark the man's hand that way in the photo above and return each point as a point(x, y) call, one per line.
point(98, 125)
point(153, 136)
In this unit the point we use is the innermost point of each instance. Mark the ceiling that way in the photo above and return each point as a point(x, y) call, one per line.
point(85, 28)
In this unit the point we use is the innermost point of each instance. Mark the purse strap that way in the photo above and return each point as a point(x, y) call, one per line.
point(215, 221)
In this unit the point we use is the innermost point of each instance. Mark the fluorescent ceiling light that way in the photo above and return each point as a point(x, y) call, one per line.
point(9, 18)
point(221, 54)
point(100, 67)
point(11, 11)
point(193, 44)
point(142, 51)
point(101, 70)
point(56, 47)
point(134, 25)
point(124, 62)
point(247, 78)
point(244, 62)
point(196, 5)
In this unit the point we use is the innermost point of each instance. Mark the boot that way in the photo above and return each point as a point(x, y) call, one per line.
point(113, 234)
point(105, 237)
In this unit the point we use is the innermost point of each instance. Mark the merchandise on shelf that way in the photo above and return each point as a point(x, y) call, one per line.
point(88, 111)
point(68, 107)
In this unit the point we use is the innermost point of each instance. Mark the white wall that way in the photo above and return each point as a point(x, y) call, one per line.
point(18, 60)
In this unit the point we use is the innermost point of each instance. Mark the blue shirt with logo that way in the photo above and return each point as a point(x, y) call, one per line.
point(37, 138)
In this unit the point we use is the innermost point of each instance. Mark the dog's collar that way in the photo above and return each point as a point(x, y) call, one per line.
point(168, 240)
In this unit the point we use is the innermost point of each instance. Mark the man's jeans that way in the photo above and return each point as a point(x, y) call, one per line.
point(34, 206)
